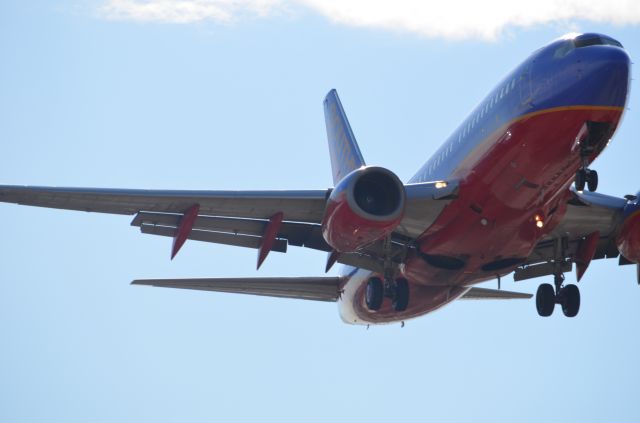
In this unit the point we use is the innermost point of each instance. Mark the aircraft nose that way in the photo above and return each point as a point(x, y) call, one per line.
point(606, 75)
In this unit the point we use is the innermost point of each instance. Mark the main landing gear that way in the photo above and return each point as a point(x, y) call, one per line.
point(396, 289)
point(567, 296)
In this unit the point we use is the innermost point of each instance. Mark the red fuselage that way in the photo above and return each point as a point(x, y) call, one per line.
point(515, 158)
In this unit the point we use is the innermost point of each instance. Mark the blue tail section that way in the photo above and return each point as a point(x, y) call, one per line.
point(343, 148)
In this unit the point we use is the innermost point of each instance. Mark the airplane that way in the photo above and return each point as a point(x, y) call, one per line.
point(504, 194)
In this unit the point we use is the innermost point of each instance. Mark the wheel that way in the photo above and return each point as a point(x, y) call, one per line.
point(581, 179)
point(570, 300)
point(592, 180)
point(401, 298)
point(374, 294)
point(545, 300)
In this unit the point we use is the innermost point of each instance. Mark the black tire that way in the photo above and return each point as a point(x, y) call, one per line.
point(592, 180)
point(581, 179)
point(401, 298)
point(545, 300)
point(570, 300)
point(374, 294)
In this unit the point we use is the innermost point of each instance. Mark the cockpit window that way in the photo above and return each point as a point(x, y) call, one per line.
point(611, 42)
point(563, 49)
point(586, 40)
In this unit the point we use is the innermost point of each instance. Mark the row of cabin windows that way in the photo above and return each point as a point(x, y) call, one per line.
point(503, 91)
point(499, 95)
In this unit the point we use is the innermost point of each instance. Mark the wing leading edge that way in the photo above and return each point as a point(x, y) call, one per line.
point(301, 206)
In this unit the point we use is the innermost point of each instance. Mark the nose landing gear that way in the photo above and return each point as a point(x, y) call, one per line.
point(596, 136)
point(567, 296)
point(586, 177)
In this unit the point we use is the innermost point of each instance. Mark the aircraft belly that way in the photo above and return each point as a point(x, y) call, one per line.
point(491, 227)
point(424, 299)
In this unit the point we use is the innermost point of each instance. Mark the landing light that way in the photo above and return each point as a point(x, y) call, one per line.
point(441, 184)
point(539, 221)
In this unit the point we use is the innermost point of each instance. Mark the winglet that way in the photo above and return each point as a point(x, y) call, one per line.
point(343, 148)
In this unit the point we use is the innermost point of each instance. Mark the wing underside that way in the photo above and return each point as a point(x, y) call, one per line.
point(588, 216)
point(241, 218)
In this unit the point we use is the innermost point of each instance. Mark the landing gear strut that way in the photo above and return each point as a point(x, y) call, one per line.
point(596, 136)
point(395, 289)
point(567, 296)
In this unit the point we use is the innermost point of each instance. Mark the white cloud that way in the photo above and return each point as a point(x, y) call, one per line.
point(452, 19)
point(187, 11)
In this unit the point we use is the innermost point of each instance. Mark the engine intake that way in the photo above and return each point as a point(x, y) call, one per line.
point(364, 207)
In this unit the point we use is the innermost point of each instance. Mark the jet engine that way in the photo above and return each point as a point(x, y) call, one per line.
point(365, 206)
point(628, 238)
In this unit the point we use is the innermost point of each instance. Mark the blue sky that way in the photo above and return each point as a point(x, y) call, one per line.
point(96, 99)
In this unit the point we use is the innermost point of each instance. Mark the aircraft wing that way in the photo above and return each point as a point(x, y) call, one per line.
point(590, 217)
point(238, 218)
point(325, 288)
point(302, 206)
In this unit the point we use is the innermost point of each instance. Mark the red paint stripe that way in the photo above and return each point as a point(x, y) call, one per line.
point(585, 253)
point(269, 237)
point(184, 228)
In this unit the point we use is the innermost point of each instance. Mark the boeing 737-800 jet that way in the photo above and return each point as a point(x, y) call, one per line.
point(496, 198)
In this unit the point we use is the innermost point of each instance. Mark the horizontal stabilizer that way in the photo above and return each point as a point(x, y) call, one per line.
point(494, 294)
point(304, 288)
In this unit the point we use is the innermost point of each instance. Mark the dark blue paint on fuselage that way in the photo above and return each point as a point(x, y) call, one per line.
point(557, 75)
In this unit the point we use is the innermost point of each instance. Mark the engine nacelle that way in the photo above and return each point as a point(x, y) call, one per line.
point(628, 238)
point(365, 206)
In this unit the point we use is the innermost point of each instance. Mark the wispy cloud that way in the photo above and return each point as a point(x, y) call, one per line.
point(188, 11)
point(451, 19)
